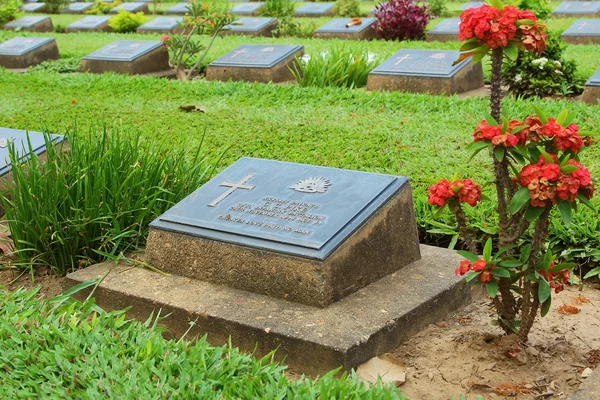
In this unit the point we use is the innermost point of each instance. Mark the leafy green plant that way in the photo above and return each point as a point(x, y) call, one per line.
point(99, 196)
point(280, 9)
point(439, 9)
point(341, 67)
point(541, 8)
point(54, 6)
point(347, 8)
point(283, 10)
point(9, 10)
point(61, 66)
point(546, 74)
point(102, 8)
point(126, 22)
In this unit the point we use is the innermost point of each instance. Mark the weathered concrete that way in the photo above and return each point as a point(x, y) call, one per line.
point(442, 37)
point(374, 320)
point(468, 78)
point(365, 31)
point(581, 39)
point(590, 388)
point(155, 61)
point(385, 243)
point(266, 31)
point(591, 94)
point(47, 51)
point(42, 24)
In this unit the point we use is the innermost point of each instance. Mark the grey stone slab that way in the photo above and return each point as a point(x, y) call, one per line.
point(472, 4)
point(251, 25)
point(372, 321)
point(91, 23)
point(247, 8)
point(448, 26)
point(590, 388)
point(256, 56)
point(28, 21)
point(178, 9)
point(19, 139)
point(594, 80)
point(124, 50)
point(338, 25)
point(315, 10)
point(161, 24)
point(20, 46)
point(77, 8)
point(577, 8)
point(33, 7)
point(131, 7)
point(282, 207)
point(426, 63)
point(583, 31)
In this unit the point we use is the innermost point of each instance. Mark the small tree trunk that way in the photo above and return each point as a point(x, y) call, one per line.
point(496, 84)
point(180, 72)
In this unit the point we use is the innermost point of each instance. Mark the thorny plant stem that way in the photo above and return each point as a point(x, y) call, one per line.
point(463, 229)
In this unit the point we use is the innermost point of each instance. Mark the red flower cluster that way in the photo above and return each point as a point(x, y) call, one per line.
point(493, 134)
point(466, 190)
point(558, 280)
point(166, 39)
point(546, 182)
point(495, 28)
point(478, 266)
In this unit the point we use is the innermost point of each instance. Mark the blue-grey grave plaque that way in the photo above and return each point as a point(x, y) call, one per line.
point(591, 94)
point(472, 4)
point(257, 26)
point(132, 57)
point(33, 7)
point(22, 52)
point(178, 9)
point(430, 71)
point(31, 23)
point(348, 28)
point(77, 8)
point(256, 56)
point(91, 23)
point(18, 138)
point(583, 31)
point(247, 8)
point(594, 80)
point(577, 8)
point(124, 50)
point(304, 211)
point(315, 10)
point(131, 7)
point(161, 25)
point(446, 30)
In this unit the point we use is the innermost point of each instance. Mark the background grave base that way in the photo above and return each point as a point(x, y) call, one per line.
point(156, 61)
point(48, 51)
point(591, 95)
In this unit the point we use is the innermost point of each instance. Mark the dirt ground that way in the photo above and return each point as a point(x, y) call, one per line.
point(466, 355)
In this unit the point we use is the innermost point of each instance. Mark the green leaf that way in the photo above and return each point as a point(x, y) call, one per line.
point(562, 117)
point(511, 51)
point(478, 57)
point(487, 250)
point(585, 201)
point(470, 44)
point(520, 198)
point(497, 4)
point(540, 114)
point(567, 169)
point(561, 267)
point(595, 271)
point(491, 121)
point(525, 251)
point(544, 290)
point(546, 307)
point(570, 118)
point(501, 272)
point(472, 275)
point(533, 212)
point(511, 263)
point(524, 22)
point(545, 154)
point(565, 211)
point(499, 153)
point(505, 249)
point(492, 288)
point(468, 255)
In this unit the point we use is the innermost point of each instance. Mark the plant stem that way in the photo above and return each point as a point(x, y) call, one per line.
point(463, 229)
point(496, 82)
point(212, 39)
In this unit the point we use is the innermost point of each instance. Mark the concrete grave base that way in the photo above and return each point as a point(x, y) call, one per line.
point(43, 26)
point(374, 320)
point(152, 62)
point(570, 39)
point(278, 73)
point(441, 38)
point(468, 78)
point(48, 51)
point(582, 15)
point(365, 34)
point(266, 31)
point(591, 95)
point(176, 30)
point(100, 28)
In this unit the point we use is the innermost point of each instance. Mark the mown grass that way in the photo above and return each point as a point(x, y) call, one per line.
point(62, 349)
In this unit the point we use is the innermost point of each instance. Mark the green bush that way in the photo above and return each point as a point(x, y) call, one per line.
point(541, 8)
point(61, 66)
point(548, 74)
point(438, 8)
point(102, 8)
point(100, 196)
point(341, 67)
point(54, 6)
point(8, 10)
point(126, 22)
point(347, 8)
point(280, 9)
point(283, 10)
point(61, 349)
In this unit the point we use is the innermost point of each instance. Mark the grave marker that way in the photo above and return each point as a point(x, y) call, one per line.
point(256, 26)
point(178, 9)
point(93, 23)
point(315, 10)
point(76, 8)
point(31, 24)
point(23, 52)
point(472, 4)
point(131, 7)
point(426, 71)
point(591, 94)
point(162, 25)
point(256, 63)
point(247, 8)
point(445, 31)
point(33, 7)
point(133, 57)
point(577, 9)
point(345, 28)
point(583, 31)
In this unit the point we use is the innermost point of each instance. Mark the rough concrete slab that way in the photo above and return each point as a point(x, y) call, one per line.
point(374, 320)
point(589, 389)
point(591, 94)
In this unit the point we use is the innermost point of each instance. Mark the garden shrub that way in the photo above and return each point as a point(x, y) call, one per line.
point(102, 8)
point(401, 20)
point(541, 8)
point(438, 9)
point(283, 10)
point(61, 66)
point(126, 22)
point(347, 8)
point(100, 196)
point(548, 74)
point(54, 6)
point(340, 67)
point(8, 10)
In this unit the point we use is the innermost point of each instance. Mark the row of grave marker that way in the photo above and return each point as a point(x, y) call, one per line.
point(580, 32)
point(419, 71)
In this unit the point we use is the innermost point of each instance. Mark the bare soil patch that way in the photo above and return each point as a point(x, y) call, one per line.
point(51, 285)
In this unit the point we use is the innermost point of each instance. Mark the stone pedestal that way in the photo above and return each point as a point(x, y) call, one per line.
point(132, 57)
point(314, 10)
point(445, 31)
point(178, 9)
point(591, 94)
point(583, 31)
point(256, 63)
point(90, 24)
point(131, 7)
point(577, 9)
point(255, 26)
point(162, 25)
point(31, 24)
point(33, 7)
point(23, 52)
point(76, 8)
point(341, 28)
point(247, 9)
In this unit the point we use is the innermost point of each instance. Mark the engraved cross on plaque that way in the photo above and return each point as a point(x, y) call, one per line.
point(238, 52)
point(400, 59)
point(232, 188)
point(581, 26)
